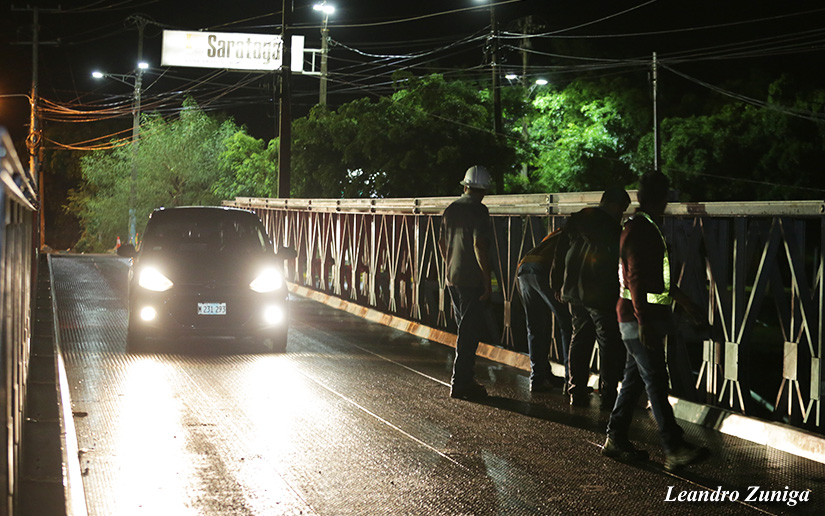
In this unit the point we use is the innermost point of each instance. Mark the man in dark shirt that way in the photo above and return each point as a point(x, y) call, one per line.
point(464, 244)
point(644, 314)
point(537, 297)
point(591, 287)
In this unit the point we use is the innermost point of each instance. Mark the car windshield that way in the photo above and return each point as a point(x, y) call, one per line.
point(204, 236)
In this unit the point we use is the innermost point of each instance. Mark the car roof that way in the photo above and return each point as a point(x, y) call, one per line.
point(200, 213)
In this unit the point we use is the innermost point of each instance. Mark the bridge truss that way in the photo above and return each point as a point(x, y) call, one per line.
point(757, 268)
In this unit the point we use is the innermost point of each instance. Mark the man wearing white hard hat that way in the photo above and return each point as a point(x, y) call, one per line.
point(464, 243)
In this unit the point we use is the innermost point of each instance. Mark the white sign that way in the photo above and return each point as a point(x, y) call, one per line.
point(229, 50)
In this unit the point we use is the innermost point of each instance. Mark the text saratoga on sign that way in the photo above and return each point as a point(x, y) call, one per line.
point(229, 50)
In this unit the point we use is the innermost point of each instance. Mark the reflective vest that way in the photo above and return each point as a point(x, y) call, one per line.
point(652, 298)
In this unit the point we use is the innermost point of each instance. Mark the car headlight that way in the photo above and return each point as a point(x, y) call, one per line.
point(269, 280)
point(151, 279)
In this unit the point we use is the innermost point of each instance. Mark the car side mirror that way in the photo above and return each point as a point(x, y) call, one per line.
point(286, 253)
point(127, 251)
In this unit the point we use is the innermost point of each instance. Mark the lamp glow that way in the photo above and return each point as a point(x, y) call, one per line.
point(152, 279)
point(273, 315)
point(147, 313)
point(269, 280)
point(324, 8)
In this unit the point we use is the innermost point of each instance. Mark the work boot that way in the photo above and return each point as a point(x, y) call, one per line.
point(547, 385)
point(684, 455)
point(468, 392)
point(623, 450)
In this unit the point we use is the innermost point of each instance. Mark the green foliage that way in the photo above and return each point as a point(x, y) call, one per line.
point(583, 136)
point(248, 169)
point(177, 165)
point(62, 172)
point(745, 152)
point(418, 142)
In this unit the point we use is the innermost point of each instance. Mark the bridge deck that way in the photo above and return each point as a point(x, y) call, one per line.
point(356, 419)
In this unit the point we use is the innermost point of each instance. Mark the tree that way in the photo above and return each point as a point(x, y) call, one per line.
point(177, 166)
point(62, 172)
point(747, 152)
point(248, 168)
point(418, 142)
point(584, 136)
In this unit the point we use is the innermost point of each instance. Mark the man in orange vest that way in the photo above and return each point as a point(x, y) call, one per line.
point(537, 297)
point(644, 318)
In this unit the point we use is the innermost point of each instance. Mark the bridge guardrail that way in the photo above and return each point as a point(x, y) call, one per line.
point(17, 191)
point(757, 268)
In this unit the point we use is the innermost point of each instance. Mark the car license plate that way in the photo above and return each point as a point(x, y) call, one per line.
point(211, 308)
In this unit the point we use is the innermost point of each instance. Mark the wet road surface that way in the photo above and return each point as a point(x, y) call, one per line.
point(356, 419)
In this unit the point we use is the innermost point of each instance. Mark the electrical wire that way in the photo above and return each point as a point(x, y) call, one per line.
point(752, 181)
point(798, 113)
point(371, 76)
point(118, 6)
point(557, 35)
point(422, 17)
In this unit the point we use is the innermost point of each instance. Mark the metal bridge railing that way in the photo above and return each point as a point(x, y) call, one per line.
point(757, 267)
point(16, 267)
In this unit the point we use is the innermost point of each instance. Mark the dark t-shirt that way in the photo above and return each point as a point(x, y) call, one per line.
point(592, 261)
point(463, 221)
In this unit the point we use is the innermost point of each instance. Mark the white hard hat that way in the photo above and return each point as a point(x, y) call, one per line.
point(477, 177)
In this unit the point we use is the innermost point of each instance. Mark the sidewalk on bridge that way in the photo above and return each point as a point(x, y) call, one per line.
point(767, 433)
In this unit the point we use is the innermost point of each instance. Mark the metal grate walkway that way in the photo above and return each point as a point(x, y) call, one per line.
point(355, 419)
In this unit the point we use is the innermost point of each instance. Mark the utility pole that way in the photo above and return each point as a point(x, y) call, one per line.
point(140, 22)
point(498, 175)
point(526, 44)
point(527, 28)
point(285, 131)
point(497, 123)
point(324, 49)
point(326, 10)
point(35, 138)
point(657, 137)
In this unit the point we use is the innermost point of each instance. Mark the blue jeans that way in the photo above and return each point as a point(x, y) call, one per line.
point(645, 370)
point(591, 325)
point(469, 316)
point(537, 297)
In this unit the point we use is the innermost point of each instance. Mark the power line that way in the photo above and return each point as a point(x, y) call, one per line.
point(804, 114)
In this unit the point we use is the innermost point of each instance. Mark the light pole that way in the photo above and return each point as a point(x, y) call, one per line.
point(138, 78)
point(326, 10)
point(497, 117)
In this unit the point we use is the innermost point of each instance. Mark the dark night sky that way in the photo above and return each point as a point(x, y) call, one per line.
point(579, 31)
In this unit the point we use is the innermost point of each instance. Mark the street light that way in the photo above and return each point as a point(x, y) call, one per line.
point(138, 78)
point(326, 10)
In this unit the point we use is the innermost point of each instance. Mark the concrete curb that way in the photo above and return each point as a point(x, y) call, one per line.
point(768, 433)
